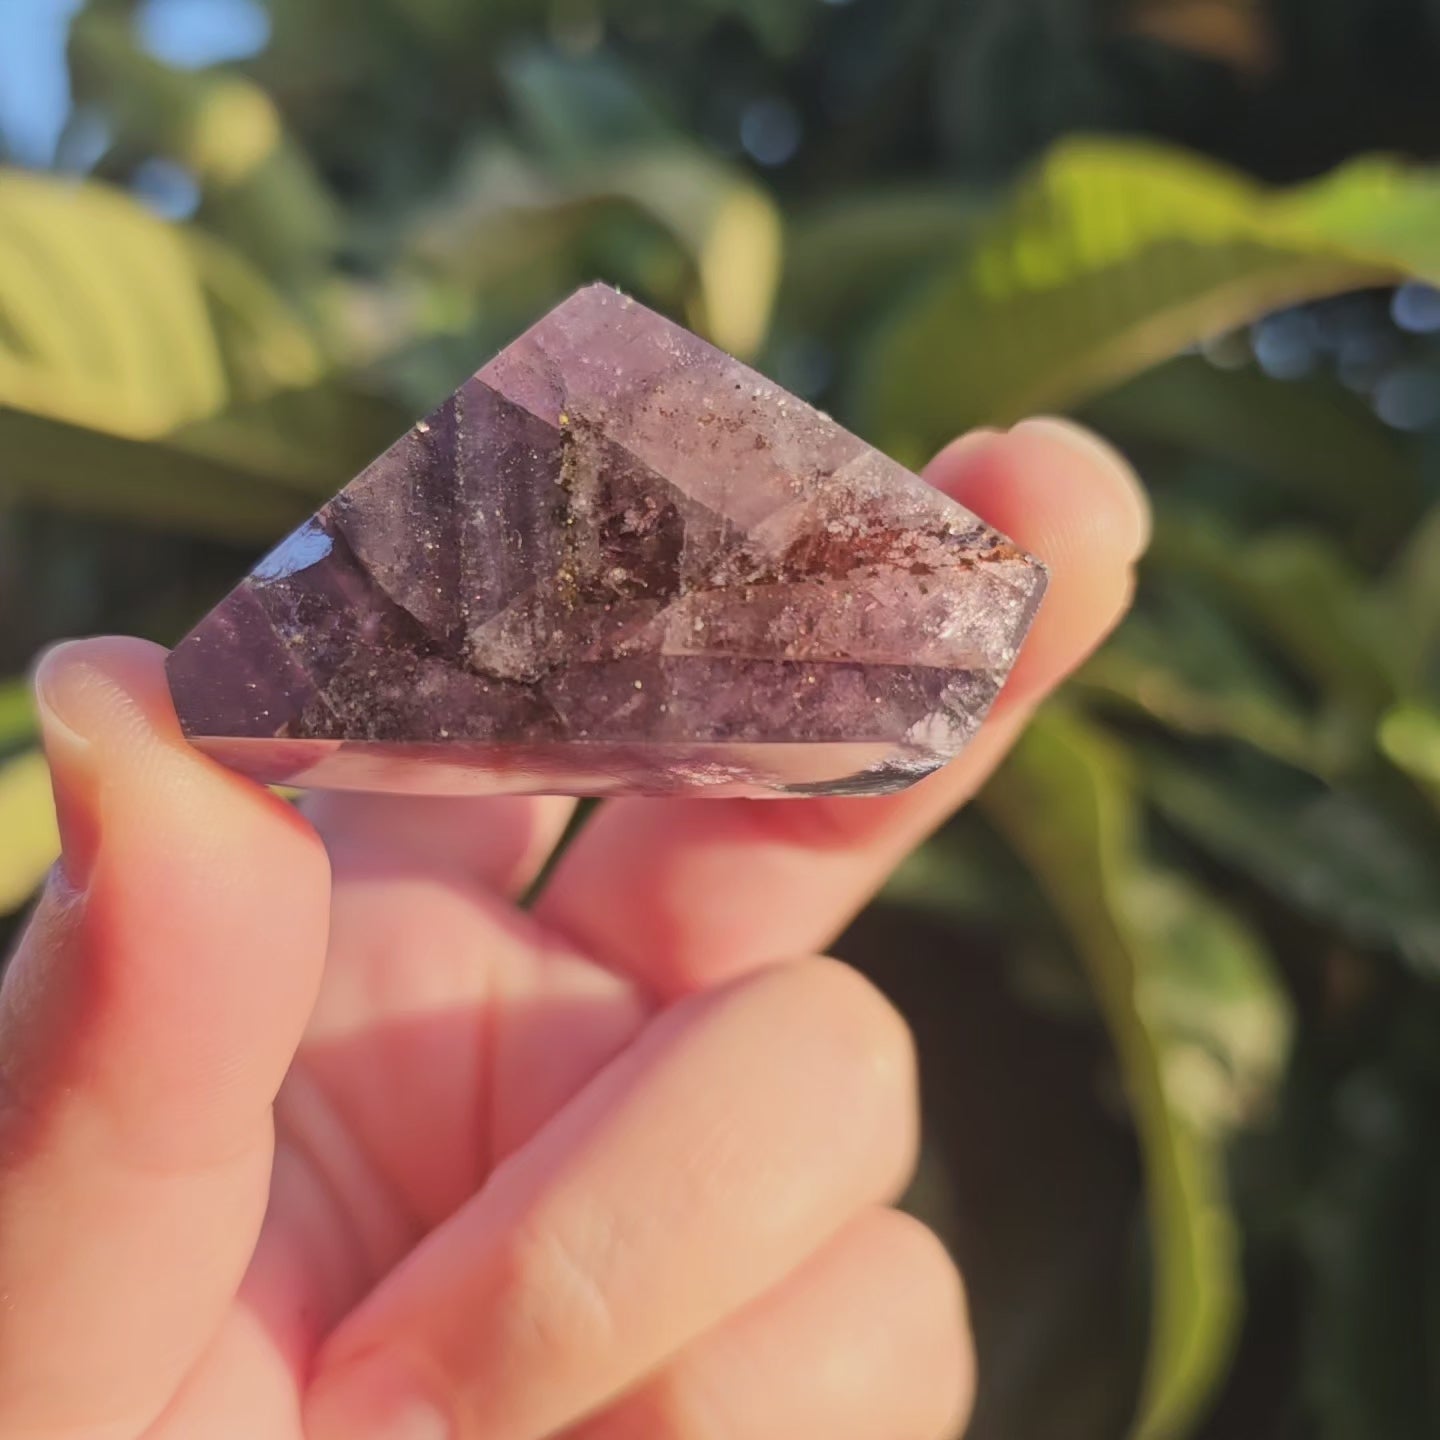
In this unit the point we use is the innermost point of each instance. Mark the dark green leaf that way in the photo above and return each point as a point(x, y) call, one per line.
point(1298, 590)
point(17, 715)
point(1308, 443)
point(1335, 855)
point(1180, 662)
point(1180, 982)
point(1410, 738)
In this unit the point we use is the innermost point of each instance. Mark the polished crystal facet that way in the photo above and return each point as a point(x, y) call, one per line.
point(616, 561)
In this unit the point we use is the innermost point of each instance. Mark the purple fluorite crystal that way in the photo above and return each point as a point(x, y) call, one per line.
point(614, 561)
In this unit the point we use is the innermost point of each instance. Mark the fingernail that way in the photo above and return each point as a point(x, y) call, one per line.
point(374, 1399)
point(74, 771)
point(1095, 448)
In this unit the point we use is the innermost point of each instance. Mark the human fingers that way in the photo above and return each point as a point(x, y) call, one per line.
point(145, 1025)
point(681, 894)
point(740, 1133)
point(498, 844)
point(866, 1341)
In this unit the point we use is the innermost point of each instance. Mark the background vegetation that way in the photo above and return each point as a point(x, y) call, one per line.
point(1177, 978)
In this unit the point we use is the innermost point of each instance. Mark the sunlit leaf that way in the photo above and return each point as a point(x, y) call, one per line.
point(104, 320)
point(113, 320)
point(725, 230)
point(730, 227)
point(1410, 737)
point(1196, 1022)
point(148, 372)
point(27, 824)
point(1117, 255)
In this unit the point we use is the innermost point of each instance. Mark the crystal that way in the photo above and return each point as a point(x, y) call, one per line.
point(615, 561)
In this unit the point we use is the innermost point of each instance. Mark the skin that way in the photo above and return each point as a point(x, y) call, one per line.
point(307, 1130)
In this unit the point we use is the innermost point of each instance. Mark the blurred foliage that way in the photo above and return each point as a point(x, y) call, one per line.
point(1201, 903)
point(1110, 260)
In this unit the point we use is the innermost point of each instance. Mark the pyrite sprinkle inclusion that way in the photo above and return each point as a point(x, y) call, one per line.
point(615, 561)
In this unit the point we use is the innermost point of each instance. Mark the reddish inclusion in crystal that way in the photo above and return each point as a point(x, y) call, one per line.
point(616, 561)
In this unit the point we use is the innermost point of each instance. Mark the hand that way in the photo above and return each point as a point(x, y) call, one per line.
point(306, 1129)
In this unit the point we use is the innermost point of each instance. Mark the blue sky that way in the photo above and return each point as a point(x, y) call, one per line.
point(34, 91)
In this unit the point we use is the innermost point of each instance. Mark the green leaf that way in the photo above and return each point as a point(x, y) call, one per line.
point(1410, 738)
point(576, 109)
point(17, 715)
point(725, 231)
point(1180, 663)
point(1196, 1021)
point(27, 821)
point(148, 373)
point(1370, 1237)
point(1117, 255)
point(1305, 441)
point(731, 229)
point(1414, 600)
point(246, 475)
point(1336, 855)
point(1296, 588)
point(846, 255)
point(115, 321)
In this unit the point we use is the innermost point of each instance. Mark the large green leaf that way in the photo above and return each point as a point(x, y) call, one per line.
point(731, 229)
point(1312, 445)
point(1339, 856)
point(113, 320)
point(1196, 1021)
point(1297, 589)
point(1029, 1168)
point(1179, 661)
point(27, 825)
point(148, 372)
point(1117, 255)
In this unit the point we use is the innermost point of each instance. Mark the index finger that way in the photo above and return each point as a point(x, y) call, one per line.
point(686, 894)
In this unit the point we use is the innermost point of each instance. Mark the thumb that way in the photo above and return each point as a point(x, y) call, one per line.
point(146, 1023)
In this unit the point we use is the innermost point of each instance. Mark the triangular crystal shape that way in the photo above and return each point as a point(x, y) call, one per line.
point(614, 561)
